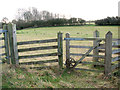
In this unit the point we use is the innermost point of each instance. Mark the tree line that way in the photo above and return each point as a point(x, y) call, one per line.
point(33, 18)
point(108, 21)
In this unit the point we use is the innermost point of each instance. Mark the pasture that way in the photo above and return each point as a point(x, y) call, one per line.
point(52, 78)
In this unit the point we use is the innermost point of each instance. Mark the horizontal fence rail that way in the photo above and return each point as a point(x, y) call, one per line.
point(2, 38)
point(83, 39)
point(95, 63)
point(3, 31)
point(38, 55)
point(37, 41)
point(89, 55)
point(89, 70)
point(2, 46)
point(37, 48)
point(114, 67)
point(117, 51)
point(115, 58)
point(73, 46)
point(2, 54)
point(40, 62)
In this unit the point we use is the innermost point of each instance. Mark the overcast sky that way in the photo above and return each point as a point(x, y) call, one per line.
point(86, 9)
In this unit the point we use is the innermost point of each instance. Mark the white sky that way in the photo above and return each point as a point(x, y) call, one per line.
point(86, 9)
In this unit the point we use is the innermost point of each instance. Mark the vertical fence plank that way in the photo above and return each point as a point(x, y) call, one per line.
point(95, 51)
point(6, 44)
point(60, 50)
point(108, 53)
point(13, 43)
point(67, 51)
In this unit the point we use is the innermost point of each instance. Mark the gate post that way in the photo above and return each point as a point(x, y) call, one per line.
point(13, 43)
point(6, 44)
point(60, 50)
point(108, 53)
point(67, 51)
point(95, 51)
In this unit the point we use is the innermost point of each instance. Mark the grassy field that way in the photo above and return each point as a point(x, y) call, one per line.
point(22, 76)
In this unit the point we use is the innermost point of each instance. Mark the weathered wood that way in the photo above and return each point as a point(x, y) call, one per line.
point(88, 70)
point(113, 67)
point(38, 55)
point(95, 50)
point(40, 62)
point(2, 46)
point(73, 46)
point(2, 38)
point(37, 48)
point(95, 63)
point(60, 50)
point(101, 46)
point(108, 53)
point(89, 55)
point(37, 41)
point(2, 54)
point(115, 43)
point(3, 31)
point(115, 58)
point(117, 51)
point(13, 43)
point(6, 43)
point(116, 46)
point(81, 39)
point(67, 50)
point(116, 39)
point(101, 51)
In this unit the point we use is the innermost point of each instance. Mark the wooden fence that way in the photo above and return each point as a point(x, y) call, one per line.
point(11, 48)
point(97, 48)
point(4, 39)
point(110, 47)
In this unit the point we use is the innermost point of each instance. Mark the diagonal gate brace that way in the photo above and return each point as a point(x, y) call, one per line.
point(87, 53)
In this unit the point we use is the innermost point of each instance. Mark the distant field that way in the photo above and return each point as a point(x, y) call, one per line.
point(76, 31)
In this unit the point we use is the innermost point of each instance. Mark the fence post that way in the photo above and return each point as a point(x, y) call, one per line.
point(60, 50)
point(95, 51)
point(67, 51)
point(13, 43)
point(6, 44)
point(108, 53)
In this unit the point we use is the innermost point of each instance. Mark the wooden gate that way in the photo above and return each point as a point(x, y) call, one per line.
point(100, 45)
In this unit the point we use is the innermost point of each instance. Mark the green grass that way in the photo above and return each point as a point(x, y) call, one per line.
point(23, 77)
point(76, 31)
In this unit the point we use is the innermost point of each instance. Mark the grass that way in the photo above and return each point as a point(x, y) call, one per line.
point(23, 77)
